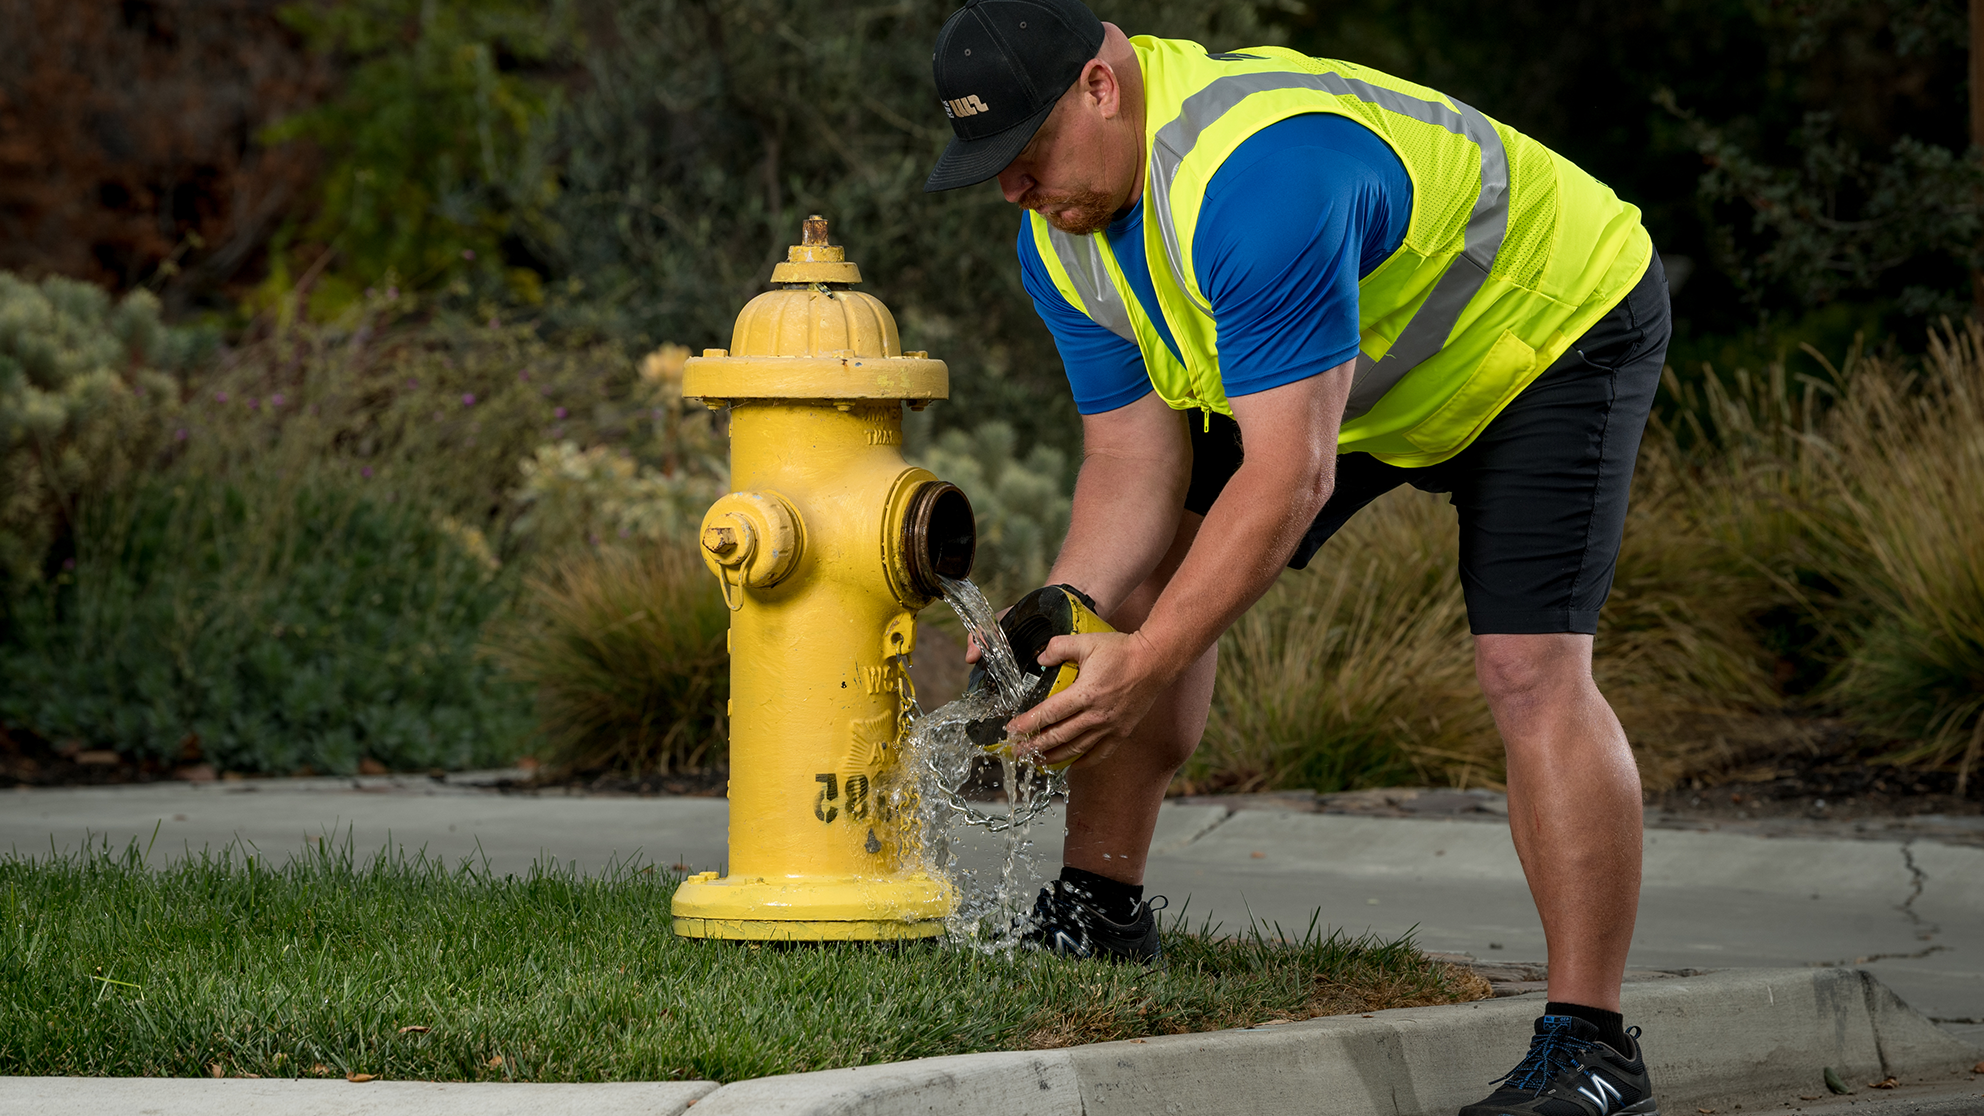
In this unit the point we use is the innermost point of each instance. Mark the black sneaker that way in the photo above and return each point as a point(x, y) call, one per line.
point(1568, 1072)
point(1064, 922)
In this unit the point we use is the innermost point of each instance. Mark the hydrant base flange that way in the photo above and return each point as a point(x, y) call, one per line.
point(812, 908)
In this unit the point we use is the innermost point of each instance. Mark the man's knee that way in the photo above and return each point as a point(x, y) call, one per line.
point(1516, 670)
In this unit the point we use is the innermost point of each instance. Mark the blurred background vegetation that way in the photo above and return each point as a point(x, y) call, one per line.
point(341, 347)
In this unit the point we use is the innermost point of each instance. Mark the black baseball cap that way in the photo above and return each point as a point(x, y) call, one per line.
point(1001, 65)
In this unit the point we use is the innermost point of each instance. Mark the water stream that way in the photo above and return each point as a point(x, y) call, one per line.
point(938, 760)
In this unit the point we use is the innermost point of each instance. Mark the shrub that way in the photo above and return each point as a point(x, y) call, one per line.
point(626, 652)
point(86, 399)
point(278, 623)
point(442, 412)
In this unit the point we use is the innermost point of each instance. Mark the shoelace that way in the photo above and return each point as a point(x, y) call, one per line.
point(1549, 1054)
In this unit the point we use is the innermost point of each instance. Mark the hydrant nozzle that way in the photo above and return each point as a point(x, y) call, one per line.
point(827, 549)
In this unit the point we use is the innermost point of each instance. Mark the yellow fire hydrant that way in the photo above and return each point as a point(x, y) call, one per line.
point(827, 548)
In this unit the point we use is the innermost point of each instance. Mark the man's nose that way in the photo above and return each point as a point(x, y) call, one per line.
point(1014, 184)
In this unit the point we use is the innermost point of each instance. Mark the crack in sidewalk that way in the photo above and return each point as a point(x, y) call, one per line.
point(1924, 929)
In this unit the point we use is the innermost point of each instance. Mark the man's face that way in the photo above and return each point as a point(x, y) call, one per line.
point(1060, 175)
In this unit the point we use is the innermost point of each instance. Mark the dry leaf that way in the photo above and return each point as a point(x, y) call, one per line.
point(496, 1062)
point(1883, 1083)
point(214, 1069)
point(1139, 1040)
point(414, 1029)
point(320, 1069)
point(256, 1076)
point(1706, 1111)
point(1978, 1068)
point(358, 1078)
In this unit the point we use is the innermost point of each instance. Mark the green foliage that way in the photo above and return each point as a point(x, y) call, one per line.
point(437, 143)
point(709, 130)
point(1840, 219)
point(1021, 504)
point(626, 651)
point(443, 413)
point(279, 623)
point(257, 966)
point(86, 398)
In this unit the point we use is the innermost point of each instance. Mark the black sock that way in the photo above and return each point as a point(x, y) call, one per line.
point(1115, 899)
point(1611, 1025)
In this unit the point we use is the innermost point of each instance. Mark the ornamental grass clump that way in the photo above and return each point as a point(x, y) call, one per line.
point(1357, 672)
point(1902, 525)
point(625, 651)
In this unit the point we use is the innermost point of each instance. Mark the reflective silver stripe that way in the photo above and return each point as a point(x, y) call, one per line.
point(1083, 261)
point(1487, 224)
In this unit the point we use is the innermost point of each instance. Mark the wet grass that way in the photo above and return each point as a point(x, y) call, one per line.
point(234, 963)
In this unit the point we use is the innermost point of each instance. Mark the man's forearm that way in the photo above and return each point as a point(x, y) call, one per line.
point(1244, 543)
point(1115, 542)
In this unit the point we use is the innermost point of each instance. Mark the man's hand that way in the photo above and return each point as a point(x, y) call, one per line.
point(1121, 676)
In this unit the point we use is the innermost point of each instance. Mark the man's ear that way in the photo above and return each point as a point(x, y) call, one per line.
point(1099, 82)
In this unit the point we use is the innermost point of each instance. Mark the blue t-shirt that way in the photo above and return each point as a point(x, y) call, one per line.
point(1291, 221)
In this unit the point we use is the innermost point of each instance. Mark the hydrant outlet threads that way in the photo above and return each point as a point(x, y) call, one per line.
point(939, 537)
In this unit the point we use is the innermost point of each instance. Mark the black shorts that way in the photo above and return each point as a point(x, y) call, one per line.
point(1541, 492)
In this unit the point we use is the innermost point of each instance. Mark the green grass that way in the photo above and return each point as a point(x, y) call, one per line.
point(320, 964)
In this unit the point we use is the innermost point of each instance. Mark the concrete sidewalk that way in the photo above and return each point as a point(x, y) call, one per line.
point(1910, 908)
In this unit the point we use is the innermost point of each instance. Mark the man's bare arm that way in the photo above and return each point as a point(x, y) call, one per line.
point(1136, 465)
point(1290, 435)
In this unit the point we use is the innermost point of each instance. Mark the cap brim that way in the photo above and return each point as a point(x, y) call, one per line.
point(969, 162)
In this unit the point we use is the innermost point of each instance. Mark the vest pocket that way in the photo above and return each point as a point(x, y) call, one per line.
point(1502, 373)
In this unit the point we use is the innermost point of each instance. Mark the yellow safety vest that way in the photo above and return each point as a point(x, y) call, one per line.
point(1510, 254)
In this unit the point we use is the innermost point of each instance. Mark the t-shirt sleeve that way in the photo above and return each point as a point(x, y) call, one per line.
point(1287, 224)
point(1104, 371)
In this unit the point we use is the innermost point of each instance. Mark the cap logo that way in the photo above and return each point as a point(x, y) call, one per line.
point(968, 105)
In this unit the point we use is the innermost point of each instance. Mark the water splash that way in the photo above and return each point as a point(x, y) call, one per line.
point(937, 761)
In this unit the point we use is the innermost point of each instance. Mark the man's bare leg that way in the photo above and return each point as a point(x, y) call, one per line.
point(1112, 806)
point(1574, 806)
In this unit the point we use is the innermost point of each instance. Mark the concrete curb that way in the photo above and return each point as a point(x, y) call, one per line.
point(1741, 1036)
point(193, 1096)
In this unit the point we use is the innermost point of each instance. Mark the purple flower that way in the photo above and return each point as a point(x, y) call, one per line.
point(493, 323)
point(412, 383)
point(468, 253)
point(68, 563)
point(220, 397)
point(468, 399)
point(560, 412)
point(366, 472)
point(276, 400)
point(392, 293)
point(524, 376)
point(254, 404)
point(179, 435)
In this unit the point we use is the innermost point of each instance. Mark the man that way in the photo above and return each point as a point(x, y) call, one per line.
point(1282, 286)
